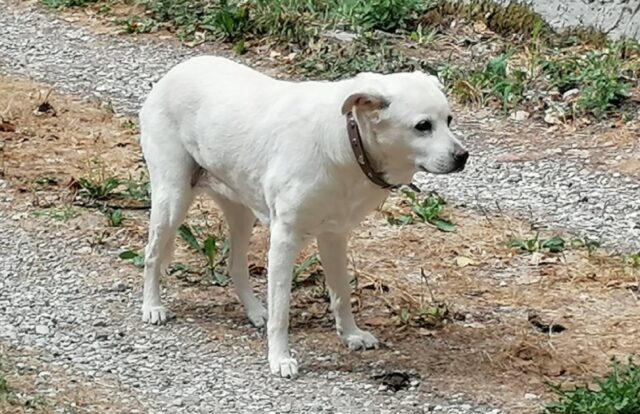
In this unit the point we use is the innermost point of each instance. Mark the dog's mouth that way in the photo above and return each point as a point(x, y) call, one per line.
point(456, 169)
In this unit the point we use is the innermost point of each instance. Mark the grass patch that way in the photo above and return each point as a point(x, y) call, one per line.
point(493, 81)
point(618, 393)
point(540, 65)
point(386, 15)
point(58, 214)
point(333, 61)
point(584, 83)
point(98, 187)
point(602, 78)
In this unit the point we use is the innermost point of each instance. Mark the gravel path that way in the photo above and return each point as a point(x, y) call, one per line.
point(70, 310)
point(65, 307)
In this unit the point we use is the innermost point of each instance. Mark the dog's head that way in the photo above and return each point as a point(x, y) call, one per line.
point(405, 120)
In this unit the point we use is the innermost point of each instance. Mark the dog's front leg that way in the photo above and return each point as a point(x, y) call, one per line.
point(333, 251)
point(283, 248)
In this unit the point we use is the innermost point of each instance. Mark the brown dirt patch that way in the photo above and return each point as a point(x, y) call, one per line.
point(486, 348)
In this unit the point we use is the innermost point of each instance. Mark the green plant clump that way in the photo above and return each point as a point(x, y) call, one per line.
point(426, 210)
point(619, 393)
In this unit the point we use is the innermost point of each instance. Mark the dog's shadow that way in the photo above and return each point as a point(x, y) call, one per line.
point(314, 338)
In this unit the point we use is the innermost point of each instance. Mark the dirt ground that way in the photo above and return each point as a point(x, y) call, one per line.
point(487, 345)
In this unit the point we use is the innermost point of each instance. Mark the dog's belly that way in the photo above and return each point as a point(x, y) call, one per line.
point(215, 188)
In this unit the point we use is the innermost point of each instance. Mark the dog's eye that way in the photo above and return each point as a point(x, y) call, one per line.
point(449, 119)
point(423, 126)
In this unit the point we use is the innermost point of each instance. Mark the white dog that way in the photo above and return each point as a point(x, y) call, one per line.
point(308, 159)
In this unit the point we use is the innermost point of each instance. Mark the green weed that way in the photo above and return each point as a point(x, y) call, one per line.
point(98, 187)
point(601, 76)
point(4, 388)
point(618, 393)
point(114, 217)
point(426, 210)
point(493, 81)
point(423, 312)
point(386, 15)
point(304, 266)
point(332, 61)
point(634, 260)
point(423, 36)
point(139, 190)
point(231, 20)
point(135, 258)
point(585, 243)
point(215, 250)
point(137, 24)
point(553, 245)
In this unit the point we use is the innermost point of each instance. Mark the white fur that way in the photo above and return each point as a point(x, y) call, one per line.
point(278, 151)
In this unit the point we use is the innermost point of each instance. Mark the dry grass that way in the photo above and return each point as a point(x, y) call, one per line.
point(486, 347)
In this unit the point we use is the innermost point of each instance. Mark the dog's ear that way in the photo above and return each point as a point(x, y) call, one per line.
point(366, 101)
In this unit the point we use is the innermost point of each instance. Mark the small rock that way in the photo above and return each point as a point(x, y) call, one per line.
point(341, 36)
point(571, 93)
point(119, 286)
point(551, 119)
point(177, 402)
point(286, 408)
point(514, 178)
point(530, 396)
point(85, 250)
point(42, 330)
point(520, 115)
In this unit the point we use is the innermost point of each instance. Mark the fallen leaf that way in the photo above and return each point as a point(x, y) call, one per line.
point(463, 261)
point(378, 321)
point(6, 126)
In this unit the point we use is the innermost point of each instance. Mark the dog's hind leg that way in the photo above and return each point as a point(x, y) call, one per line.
point(241, 220)
point(333, 252)
point(171, 172)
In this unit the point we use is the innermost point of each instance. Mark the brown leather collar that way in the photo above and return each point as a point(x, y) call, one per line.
point(361, 155)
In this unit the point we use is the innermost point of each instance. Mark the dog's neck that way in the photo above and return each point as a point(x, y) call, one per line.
point(362, 157)
point(339, 150)
point(392, 171)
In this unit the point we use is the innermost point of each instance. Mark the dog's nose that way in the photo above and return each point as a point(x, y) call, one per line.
point(460, 157)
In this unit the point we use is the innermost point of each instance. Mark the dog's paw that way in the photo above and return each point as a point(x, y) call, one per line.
point(285, 367)
point(156, 315)
point(360, 340)
point(257, 316)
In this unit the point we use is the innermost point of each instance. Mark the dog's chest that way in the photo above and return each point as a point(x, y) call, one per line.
point(344, 213)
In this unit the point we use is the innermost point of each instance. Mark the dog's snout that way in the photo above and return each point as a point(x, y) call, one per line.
point(460, 157)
